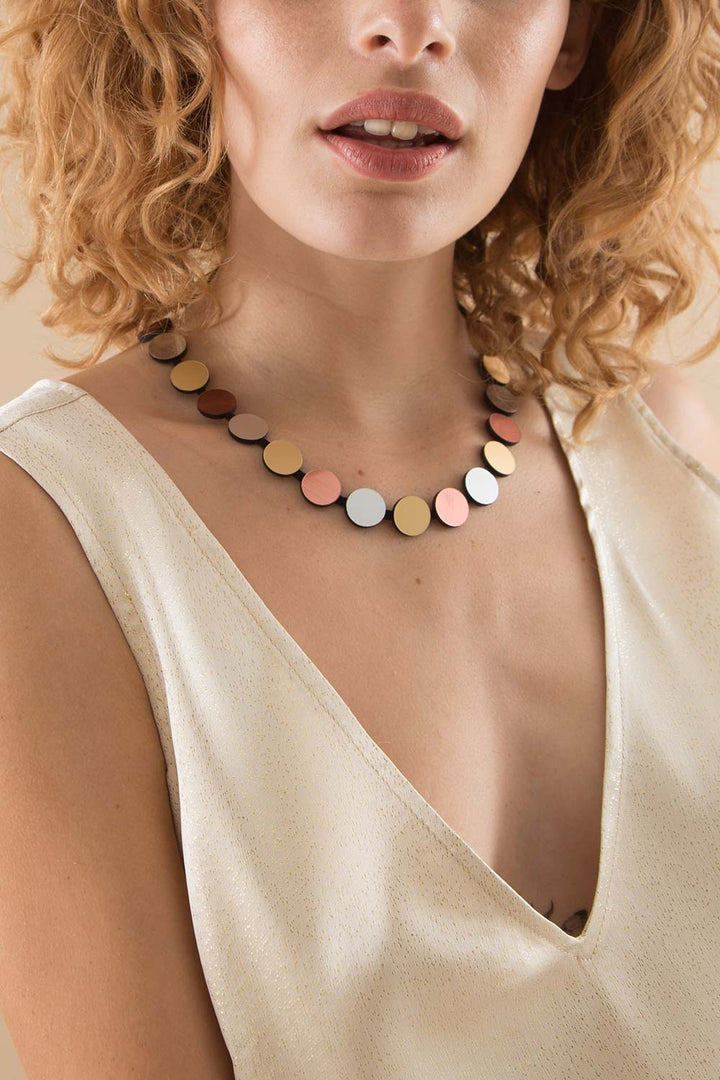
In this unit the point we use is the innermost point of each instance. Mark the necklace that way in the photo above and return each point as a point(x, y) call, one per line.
point(364, 506)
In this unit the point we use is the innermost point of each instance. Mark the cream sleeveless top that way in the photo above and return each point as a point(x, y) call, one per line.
point(346, 932)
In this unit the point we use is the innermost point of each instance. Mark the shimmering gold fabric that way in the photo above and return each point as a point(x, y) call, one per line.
point(346, 931)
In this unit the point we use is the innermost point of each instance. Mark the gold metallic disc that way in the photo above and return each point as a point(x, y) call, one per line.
point(365, 506)
point(282, 457)
point(247, 427)
point(411, 515)
point(451, 506)
point(497, 369)
point(189, 376)
point(499, 457)
point(321, 487)
point(481, 485)
point(166, 347)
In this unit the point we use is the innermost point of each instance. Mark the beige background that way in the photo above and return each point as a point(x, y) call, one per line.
point(24, 340)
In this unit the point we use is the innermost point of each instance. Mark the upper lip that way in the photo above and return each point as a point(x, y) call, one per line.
point(387, 104)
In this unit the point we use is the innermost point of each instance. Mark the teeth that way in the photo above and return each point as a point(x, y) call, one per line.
point(397, 129)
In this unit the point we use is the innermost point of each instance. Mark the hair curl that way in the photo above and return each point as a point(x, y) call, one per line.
point(114, 111)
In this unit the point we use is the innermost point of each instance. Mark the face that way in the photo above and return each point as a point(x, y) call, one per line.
point(289, 64)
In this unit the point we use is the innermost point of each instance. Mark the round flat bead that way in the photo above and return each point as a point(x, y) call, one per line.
point(365, 506)
point(451, 506)
point(497, 369)
point(411, 515)
point(504, 428)
point(282, 457)
point(499, 457)
point(503, 399)
point(321, 487)
point(190, 376)
point(247, 427)
point(167, 347)
point(156, 328)
point(481, 485)
point(217, 403)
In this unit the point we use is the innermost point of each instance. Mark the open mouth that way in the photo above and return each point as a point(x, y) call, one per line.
point(354, 132)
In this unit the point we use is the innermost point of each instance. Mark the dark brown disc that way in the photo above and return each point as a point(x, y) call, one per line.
point(504, 428)
point(502, 398)
point(168, 347)
point(217, 403)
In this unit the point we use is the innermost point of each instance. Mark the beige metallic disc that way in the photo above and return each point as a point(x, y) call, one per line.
point(411, 515)
point(170, 346)
point(282, 457)
point(499, 457)
point(247, 427)
point(503, 399)
point(189, 376)
point(497, 369)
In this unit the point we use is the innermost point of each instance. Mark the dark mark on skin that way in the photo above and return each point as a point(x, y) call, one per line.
point(574, 925)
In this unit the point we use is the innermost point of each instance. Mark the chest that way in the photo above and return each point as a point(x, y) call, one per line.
point(476, 662)
point(473, 657)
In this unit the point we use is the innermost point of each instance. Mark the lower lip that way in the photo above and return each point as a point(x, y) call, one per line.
point(386, 163)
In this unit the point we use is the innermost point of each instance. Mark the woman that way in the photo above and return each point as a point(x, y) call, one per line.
point(303, 777)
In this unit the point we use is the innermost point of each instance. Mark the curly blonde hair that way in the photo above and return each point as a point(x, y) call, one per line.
point(114, 110)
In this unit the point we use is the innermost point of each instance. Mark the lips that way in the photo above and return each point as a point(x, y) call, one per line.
point(388, 104)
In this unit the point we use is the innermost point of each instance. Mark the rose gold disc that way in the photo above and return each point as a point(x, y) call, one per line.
point(497, 369)
point(499, 457)
point(451, 506)
point(282, 457)
point(321, 487)
point(247, 427)
point(170, 346)
point(504, 428)
point(411, 515)
point(217, 403)
point(189, 376)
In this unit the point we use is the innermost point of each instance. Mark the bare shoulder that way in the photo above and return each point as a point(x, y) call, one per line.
point(100, 973)
point(683, 411)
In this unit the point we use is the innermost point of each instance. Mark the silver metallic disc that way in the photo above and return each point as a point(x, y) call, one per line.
point(365, 506)
point(481, 485)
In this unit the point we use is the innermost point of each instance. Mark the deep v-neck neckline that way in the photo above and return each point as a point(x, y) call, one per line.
point(301, 664)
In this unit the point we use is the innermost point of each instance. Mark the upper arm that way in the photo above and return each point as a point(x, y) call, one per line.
point(683, 412)
point(99, 970)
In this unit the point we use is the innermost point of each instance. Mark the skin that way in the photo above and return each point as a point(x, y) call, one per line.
point(337, 288)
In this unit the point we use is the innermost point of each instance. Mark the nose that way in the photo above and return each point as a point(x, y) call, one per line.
point(405, 31)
